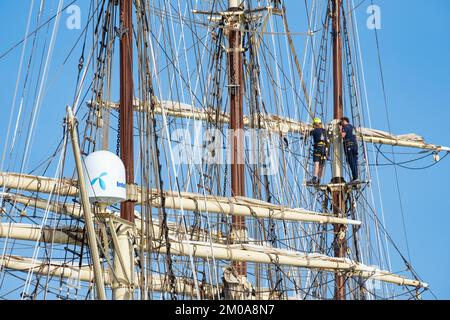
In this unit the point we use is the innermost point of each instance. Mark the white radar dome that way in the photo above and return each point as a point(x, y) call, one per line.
point(105, 178)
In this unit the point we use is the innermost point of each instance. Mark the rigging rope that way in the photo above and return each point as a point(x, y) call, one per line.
point(35, 30)
point(383, 86)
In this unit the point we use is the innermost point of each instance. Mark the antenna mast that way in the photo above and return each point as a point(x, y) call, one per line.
point(339, 207)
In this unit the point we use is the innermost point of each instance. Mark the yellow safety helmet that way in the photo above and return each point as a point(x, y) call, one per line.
point(317, 121)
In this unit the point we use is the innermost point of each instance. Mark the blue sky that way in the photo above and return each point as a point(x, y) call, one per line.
point(415, 51)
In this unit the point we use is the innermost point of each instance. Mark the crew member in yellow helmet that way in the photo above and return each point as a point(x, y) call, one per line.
point(320, 141)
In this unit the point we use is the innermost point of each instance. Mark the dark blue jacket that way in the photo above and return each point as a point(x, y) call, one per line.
point(350, 135)
point(319, 135)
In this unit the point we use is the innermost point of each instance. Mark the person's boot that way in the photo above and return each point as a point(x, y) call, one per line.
point(313, 181)
point(316, 181)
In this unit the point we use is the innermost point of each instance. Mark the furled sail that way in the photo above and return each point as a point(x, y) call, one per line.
point(275, 123)
point(235, 252)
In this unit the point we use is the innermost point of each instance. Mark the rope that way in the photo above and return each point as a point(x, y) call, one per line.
point(366, 99)
point(389, 128)
point(35, 30)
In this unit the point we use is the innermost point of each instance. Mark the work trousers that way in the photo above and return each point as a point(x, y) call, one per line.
point(351, 153)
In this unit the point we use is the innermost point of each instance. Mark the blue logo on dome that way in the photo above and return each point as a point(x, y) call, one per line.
point(101, 182)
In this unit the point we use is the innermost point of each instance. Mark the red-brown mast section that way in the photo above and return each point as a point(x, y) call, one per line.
point(126, 101)
point(236, 91)
point(340, 245)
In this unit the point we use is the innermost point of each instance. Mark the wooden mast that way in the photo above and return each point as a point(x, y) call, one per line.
point(123, 286)
point(236, 92)
point(126, 102)
point(340, 246)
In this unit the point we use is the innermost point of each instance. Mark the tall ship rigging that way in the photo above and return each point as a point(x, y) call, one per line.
point(181, 167)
